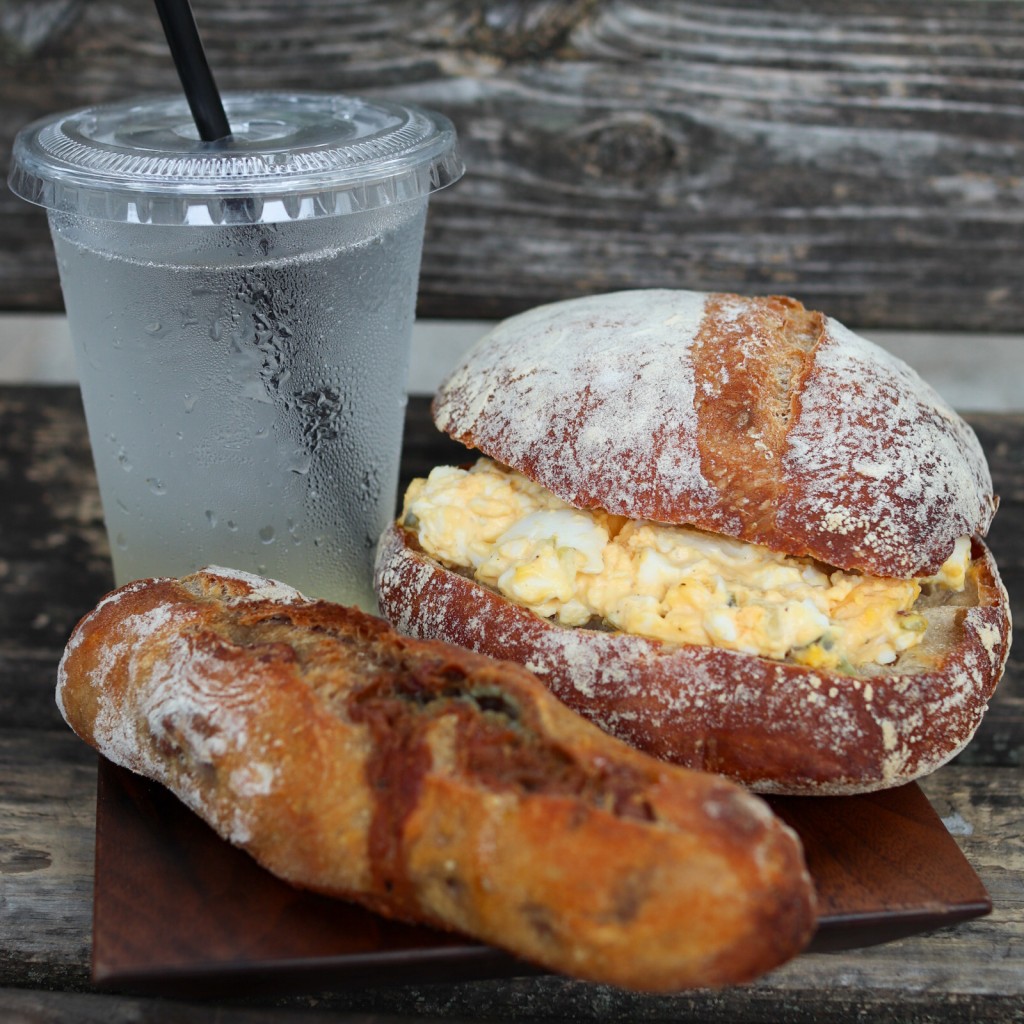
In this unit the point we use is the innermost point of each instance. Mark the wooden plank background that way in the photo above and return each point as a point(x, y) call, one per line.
point(864, 155)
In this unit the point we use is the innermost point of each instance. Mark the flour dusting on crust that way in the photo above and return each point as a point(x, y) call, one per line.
point(191, 705)
point(75, 640)
point(572, 386)
point(258, 588)
point(919, 478)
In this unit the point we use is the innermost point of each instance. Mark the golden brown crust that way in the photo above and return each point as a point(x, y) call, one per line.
point(433, 784)
point(776, 727)
point(750, 417)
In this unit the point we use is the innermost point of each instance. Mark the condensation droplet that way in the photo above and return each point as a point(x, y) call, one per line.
point(190, 402)
point(267, 535)
point(156, 485)
point(121, 542)
point(211, 517)
point(232, 525)
point(300, 461)
point(369, 489)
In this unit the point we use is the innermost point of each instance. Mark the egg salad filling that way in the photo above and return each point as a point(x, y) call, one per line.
point(674, 583)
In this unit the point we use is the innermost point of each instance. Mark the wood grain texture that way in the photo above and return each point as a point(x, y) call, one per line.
point(54, 557)
point(866, 157)
point(22, 1006)
point(1000, 739)
point(47, 831)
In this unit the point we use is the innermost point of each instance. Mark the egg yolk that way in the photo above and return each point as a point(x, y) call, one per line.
point(673, 583)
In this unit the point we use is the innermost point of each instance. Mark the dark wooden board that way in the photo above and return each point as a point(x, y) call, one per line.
point(884, 866)
point(864, 156)
point(179, 911)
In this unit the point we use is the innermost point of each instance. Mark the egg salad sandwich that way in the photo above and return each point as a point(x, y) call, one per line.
point(726, 529)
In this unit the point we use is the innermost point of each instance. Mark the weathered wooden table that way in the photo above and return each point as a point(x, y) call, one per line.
point(54, 566)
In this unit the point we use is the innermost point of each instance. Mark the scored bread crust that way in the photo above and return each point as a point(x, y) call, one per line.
point(751, 417)
point(774, 726)
point(432, 784)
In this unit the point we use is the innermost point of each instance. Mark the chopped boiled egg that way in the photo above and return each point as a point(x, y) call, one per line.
point(674, 583)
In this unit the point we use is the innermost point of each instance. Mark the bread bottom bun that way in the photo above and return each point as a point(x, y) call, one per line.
point(776, 727)
point(432, 784)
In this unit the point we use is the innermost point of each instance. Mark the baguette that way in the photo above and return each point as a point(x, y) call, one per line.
point(433, 785)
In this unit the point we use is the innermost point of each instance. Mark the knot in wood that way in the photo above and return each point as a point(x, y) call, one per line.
point(625, 147)
point(518, 30)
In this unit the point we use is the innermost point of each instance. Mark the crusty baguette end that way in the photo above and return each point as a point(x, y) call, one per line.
point(433, 785)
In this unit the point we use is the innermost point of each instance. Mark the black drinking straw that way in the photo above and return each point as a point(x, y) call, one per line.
point(193, 70)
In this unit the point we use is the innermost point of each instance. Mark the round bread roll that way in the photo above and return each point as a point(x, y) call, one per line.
point(749, 418)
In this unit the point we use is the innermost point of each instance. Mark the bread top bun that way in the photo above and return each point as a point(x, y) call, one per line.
point(749, 417)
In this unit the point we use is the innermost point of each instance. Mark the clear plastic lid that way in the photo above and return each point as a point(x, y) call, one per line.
point(289, 157)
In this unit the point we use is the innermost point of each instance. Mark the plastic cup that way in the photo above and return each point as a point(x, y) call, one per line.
point(241, 313)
